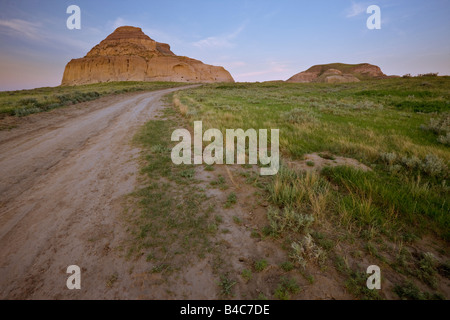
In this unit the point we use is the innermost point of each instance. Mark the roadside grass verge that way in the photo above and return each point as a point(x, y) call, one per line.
point(24, 102)
point(172, 220)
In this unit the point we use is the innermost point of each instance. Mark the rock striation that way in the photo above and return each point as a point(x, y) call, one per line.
point(130, 55)
point(338, 73)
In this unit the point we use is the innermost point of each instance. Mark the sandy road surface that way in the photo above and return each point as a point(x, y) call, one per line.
point(61, 187)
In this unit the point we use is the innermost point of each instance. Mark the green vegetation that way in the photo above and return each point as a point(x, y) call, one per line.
point(247, 275)
point(174, 219)
point(356, 281)
point(23, 102)
point(226, 285)
point(286, 287)
point(383, 123)
point(231, 199)
point(409, 291)
point(260, 265)
point(398, 128)
point(287, 266)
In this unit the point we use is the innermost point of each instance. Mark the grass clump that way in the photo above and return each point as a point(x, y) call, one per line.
point(247, 275)
point(287, 266)
point(260, 265)
point(407, 290)
point(286, 288)
point(226, 285)
point(231, 199)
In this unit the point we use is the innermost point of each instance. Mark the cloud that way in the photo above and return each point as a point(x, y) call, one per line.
point(274, 69)
point(356, 9)
point(22, 27)
point(35, 31)
point(222, 41)
point(120, 22)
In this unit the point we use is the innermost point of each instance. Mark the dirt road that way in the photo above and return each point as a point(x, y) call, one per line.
point(62, 180)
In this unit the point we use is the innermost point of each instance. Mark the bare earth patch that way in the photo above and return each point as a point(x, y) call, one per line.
point(317, 161)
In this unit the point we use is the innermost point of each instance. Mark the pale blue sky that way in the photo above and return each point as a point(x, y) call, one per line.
point(256, 40)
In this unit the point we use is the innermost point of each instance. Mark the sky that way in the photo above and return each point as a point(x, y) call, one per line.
point(255, 40)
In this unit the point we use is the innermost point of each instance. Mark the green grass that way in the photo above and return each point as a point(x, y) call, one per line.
point(286, 288)
point(356, 281)
point(409, 291)
point(226, 285)
point(174, 218)
point(260, 265)
point(287, 266)
point(398, 128)
point(365, 121)
point(23, 102)
point(247, 275)
point(231, 200)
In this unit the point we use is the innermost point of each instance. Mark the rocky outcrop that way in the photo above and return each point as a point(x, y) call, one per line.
point(338, 73)
point(130, 55)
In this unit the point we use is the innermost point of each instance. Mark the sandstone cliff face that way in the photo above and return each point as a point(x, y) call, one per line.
point(338, 73)
point(129, 55)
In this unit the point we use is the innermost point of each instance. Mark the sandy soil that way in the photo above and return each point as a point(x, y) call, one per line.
point(63, 175)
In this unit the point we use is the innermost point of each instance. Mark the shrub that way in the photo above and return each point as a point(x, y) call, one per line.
point(26, 111)
point(388, 158)
point(288, 219)
point(441, 127)
point(411, 163)
point(433, 165)
point(307, 251)
point(444, 139)
point(430, 74)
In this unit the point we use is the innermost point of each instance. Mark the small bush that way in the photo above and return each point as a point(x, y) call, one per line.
point(441, 127)
point(26, 111)
point(288, 219)
point(411, 163)
point(388, 158)
point(307, 251)
point(430, 74)
point(433, 165)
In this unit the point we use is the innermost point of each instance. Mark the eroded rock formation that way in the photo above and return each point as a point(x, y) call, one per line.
point(130, 55)
point(338, 72)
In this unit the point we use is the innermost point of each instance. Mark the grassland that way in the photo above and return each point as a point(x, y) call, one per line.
point(395, 215)
point(24, 102)
point(399, 128)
